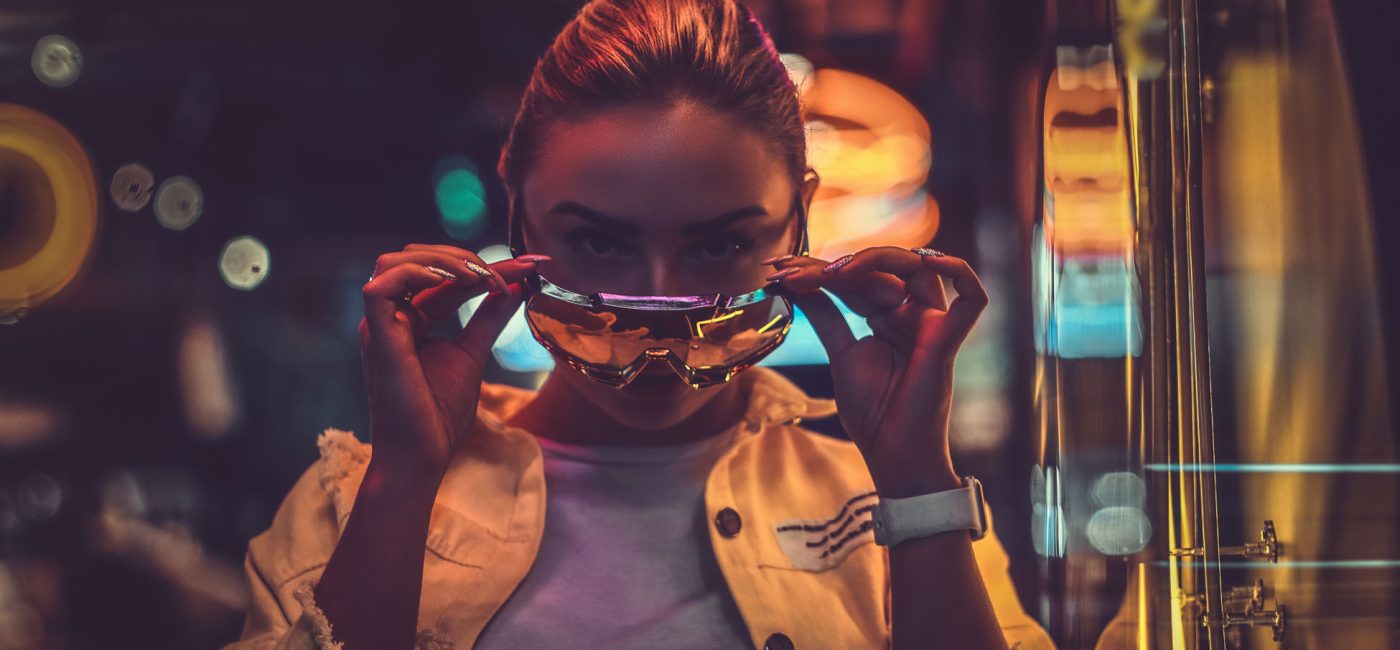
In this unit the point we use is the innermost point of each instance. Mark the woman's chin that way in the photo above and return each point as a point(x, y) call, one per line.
point(654, 401)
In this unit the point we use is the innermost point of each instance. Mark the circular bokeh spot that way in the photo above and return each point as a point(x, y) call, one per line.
point(244, 262)
point(57, 61)
point(179, 202)
point(1119, 530)
point(132, 187)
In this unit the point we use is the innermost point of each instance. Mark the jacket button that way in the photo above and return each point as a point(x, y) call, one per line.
point(778, 641)
point(728, 522)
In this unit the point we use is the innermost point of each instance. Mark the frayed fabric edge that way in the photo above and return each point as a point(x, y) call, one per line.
point(320, 626)
point(340, 452)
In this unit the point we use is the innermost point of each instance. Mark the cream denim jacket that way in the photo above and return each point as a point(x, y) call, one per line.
point(799, 557)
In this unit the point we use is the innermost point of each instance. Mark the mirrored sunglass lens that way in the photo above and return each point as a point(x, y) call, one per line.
point(699, 337)
point(593, 337)
point(729, 337)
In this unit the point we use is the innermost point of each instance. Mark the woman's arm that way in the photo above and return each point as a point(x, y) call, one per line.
point(894, 393)
point(422, 402)
point(371, 587)
point(940, 600)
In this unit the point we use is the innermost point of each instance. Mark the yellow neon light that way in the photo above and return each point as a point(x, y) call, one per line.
point(770, 323)
point(700, 333)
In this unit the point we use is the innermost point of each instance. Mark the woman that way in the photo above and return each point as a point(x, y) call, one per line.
point(658, 151)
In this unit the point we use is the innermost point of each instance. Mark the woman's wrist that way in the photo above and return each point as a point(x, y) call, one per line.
point(901, 482)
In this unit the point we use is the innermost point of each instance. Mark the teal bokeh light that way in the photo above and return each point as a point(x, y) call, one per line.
point(460, 197)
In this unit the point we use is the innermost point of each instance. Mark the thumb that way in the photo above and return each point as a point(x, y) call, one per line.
point(486, 323)
point(830, 325)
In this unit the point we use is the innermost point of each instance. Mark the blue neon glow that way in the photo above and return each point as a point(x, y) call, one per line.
point(1278, 468)
point(1083, 306)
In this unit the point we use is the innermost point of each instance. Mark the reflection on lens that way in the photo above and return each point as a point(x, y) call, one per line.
point(700, 338)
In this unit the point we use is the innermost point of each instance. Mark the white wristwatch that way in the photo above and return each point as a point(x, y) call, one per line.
point(896, 520)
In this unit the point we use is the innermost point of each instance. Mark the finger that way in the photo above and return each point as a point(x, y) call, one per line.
point(429, 306)
point(865, 294)
point(463, 254)
point(930, 285)
point(826, 319)
point(454, 264)
point(444, 300)
point(486, 323)
point(385, 335)
point(516, 269)
point(900, 262)
point(972, 296)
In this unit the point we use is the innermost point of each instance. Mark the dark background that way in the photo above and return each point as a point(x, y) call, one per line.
point(315, 126)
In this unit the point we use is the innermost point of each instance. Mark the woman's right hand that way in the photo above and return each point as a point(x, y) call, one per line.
point(423, 391)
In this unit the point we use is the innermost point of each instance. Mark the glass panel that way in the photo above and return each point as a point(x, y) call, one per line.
point(1305, 439)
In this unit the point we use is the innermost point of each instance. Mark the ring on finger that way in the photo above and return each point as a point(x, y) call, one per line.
point(928, 252)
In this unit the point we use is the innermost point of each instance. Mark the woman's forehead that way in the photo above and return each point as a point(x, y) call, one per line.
point(649, 159)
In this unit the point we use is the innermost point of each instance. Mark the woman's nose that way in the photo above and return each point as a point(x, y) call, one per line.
point(662, 279)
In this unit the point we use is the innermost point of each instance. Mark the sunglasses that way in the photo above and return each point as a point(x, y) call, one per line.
point(611, 338)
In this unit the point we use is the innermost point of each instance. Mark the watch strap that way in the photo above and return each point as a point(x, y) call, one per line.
point(898, 519)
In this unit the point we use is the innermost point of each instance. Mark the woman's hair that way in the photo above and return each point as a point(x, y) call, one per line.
point(616, 52)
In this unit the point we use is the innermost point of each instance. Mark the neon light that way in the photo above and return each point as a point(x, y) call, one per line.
point(1296, 564)
point(700, 333)
point(1278, 468)
point(770, 323)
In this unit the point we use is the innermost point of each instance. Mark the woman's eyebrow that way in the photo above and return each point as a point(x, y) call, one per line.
point(628, 228)
point(620, 226)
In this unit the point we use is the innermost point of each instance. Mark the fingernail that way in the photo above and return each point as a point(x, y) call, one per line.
point(776, 259)
point(783, 273)
point(834, 266)
point(928, 252)
point(445, 274)
point(534, 258)
point(477, 268)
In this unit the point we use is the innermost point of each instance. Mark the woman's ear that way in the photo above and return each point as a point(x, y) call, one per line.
point(810, 181)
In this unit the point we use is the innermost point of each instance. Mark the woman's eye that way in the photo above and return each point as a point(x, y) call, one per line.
point(598, 245)
point(722, 249)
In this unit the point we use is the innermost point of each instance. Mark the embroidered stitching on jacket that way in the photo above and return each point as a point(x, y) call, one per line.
point(818, 545)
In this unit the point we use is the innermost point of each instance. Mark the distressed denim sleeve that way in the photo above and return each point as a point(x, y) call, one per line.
point(283, 565)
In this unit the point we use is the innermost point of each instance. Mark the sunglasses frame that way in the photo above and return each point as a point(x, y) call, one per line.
point(696, 377)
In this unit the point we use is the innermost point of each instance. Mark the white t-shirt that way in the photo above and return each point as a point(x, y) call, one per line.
point(625, 561)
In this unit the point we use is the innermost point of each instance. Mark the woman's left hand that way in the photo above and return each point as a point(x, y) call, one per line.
point(894, 389)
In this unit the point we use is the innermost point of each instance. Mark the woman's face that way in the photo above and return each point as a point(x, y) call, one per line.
point(675, 200)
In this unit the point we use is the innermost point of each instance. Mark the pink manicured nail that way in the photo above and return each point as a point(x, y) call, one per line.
point(835, 266)
point(776, 259)
point(784, 273)
point(534, 258)
point(446, 275)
